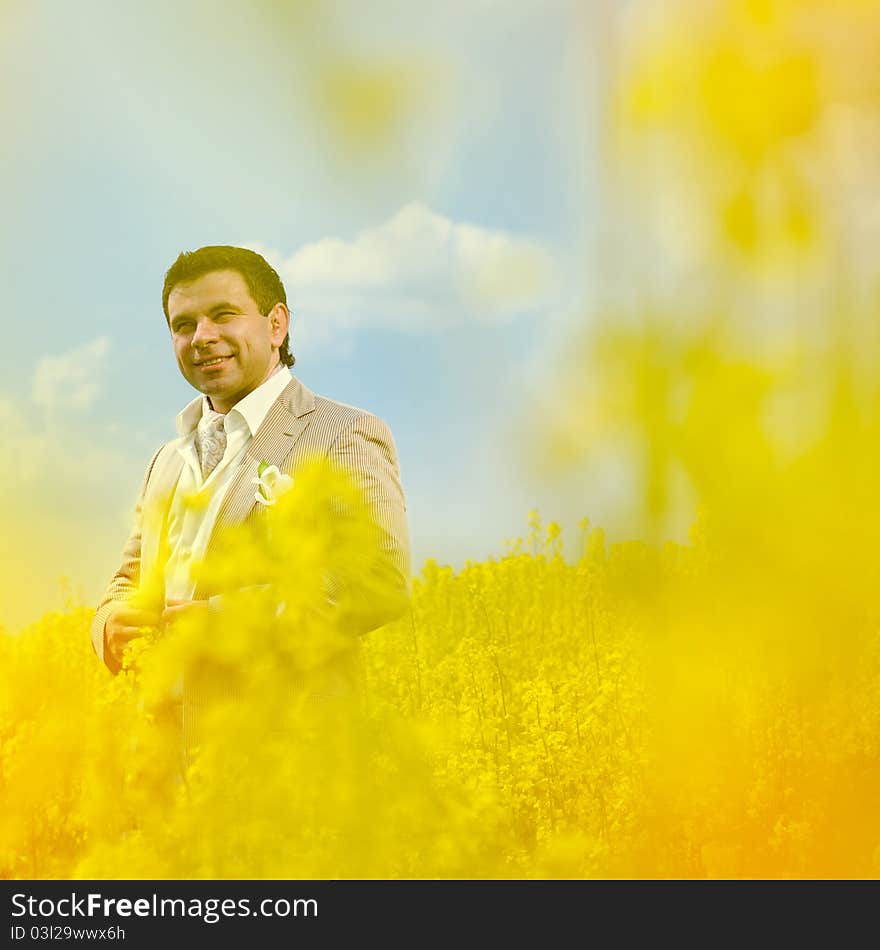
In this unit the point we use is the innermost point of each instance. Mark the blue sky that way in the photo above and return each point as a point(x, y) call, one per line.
point(140, 132)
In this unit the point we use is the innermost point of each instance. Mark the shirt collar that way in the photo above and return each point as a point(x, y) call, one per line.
point(253, 408)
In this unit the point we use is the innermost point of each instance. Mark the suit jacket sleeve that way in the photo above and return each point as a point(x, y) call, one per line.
point(365, 449)
point(126, 580)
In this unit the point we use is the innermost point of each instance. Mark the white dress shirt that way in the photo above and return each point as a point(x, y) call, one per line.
point(196, 500)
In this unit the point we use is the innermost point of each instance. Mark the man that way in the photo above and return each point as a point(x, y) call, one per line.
point(227, 314)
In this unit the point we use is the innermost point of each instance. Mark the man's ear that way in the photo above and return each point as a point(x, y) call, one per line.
point(279, 321)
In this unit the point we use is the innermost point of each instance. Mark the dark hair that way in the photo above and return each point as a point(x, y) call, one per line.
point(263, 282)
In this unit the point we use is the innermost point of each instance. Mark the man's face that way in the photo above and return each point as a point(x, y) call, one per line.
point(224, 346)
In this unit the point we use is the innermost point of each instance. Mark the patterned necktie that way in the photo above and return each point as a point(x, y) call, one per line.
point(210, 441)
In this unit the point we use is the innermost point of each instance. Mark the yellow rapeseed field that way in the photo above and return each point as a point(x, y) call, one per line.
point(681, 711)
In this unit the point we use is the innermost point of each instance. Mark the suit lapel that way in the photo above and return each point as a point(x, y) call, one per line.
point(285, 422)
point(157, 500)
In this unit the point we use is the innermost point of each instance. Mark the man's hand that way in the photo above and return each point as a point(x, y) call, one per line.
point(124, 625)
point(176, 609)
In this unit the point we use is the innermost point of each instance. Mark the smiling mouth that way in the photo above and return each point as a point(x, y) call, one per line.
point(216, 361)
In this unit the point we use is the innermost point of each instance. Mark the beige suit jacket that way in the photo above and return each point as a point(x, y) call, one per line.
point(299, 426)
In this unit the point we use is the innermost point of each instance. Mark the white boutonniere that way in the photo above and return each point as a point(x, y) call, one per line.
point(271, 483)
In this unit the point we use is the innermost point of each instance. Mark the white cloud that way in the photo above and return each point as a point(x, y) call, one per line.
point(70, 380)
point(416, 271)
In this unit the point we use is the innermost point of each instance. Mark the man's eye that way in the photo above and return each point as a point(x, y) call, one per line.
point(182, 327)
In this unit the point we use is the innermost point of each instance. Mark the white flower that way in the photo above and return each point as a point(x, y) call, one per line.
point(271, 484)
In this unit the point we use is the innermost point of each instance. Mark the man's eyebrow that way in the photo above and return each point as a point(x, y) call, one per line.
point(217, 308)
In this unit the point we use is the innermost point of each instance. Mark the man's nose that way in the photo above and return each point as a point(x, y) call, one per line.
point(205, 333)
